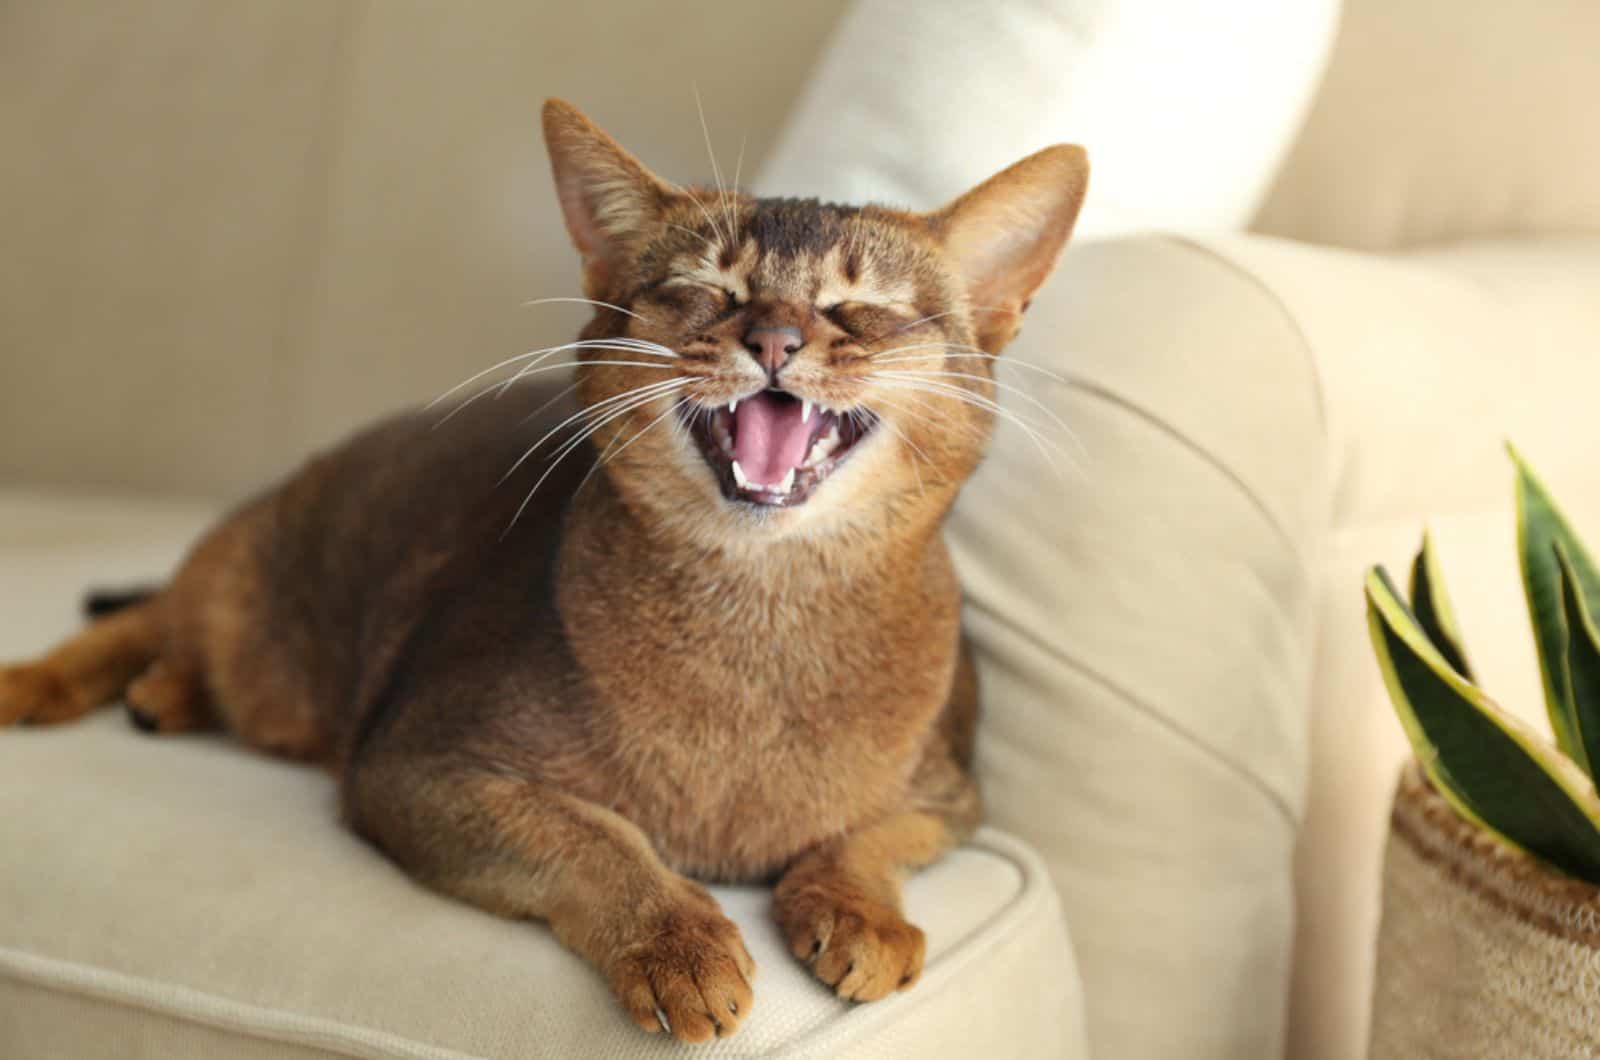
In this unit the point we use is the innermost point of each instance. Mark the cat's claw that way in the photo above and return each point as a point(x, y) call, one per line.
point(864, 950)
point(689, 975)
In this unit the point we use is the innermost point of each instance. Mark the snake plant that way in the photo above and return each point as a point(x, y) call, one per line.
point(1495, 770)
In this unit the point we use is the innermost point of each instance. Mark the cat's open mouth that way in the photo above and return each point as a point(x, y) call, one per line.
point(772, 448)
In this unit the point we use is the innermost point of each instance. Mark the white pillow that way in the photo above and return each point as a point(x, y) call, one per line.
point(1186, 108)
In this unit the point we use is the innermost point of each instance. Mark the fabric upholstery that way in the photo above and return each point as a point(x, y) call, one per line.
point(1429, 362)
point(184, 897)
point(1144, 631)
point(1448, 119)
point(1186, 109)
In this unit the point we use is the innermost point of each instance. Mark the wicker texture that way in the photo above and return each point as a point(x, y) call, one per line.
point(1483, 951)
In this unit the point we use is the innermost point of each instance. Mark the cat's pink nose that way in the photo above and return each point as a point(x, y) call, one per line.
point(772, 346)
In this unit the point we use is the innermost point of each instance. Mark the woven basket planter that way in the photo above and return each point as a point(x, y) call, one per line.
point(1483, 952)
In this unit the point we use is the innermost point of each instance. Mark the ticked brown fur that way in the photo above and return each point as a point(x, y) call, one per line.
point(563, 712)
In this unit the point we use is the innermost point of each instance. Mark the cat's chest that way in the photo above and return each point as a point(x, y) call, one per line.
point(733, 795)
point(741, 742)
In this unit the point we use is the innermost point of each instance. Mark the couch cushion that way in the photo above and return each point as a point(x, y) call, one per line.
point(184, 897)
point(1186, 109)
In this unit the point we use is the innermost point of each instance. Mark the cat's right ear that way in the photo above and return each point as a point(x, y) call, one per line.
point(608, 198)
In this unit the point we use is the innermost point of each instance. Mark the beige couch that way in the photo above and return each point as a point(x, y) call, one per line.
point(242, 228)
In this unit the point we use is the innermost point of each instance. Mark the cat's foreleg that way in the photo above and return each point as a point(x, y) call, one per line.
point(838, 904)
point(525, 850)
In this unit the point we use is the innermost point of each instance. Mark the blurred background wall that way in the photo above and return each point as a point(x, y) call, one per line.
point(235, 229)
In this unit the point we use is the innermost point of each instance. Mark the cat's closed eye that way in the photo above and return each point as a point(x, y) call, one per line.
point(867, 320)
point(700, 304)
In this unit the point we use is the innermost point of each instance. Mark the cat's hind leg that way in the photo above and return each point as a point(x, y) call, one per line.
point(168, 697)
point(86, 671)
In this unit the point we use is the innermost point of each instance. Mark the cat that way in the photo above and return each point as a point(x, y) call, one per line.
point(727, 649)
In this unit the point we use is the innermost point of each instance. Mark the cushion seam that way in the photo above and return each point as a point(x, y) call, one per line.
point(1281, 802)
point(1001, 927)
point(1206, 457)
point(1319, 388)
point(108, 987)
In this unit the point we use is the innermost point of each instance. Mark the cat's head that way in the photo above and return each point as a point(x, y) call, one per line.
point(795, 366)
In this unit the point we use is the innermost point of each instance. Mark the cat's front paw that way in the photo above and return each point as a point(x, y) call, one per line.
point(688, 973)
point(863, 949)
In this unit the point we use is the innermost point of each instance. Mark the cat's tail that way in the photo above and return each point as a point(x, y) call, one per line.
point(88, 670)
point(98, 603)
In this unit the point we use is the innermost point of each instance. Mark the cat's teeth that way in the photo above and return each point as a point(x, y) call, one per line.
point(738, 476)
point(805, 410)
point(733, 406)
point(824, 446)
point(788, 482)
point(724, 439)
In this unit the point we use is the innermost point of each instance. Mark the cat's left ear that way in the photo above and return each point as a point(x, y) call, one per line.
point(1005, 235)
point(608, 198)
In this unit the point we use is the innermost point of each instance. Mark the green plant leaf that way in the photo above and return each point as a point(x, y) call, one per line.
point(1540, 526)
point(1433, 610)
point(1583, 657)
point(1492, 768)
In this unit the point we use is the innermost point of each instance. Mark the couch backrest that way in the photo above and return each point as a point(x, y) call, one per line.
point(1446, 119)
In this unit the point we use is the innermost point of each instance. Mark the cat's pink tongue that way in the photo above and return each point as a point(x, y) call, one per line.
point(769, 440)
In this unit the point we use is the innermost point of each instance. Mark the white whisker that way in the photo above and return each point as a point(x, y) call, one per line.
point(953, 312)
point(564, 392)
point(701, 236)
point(1023, 394)
point(917, 451)
point(589, 430)
point(958, 351)
point(716, 170)
point(539, 357)
point(599, 406)
point(730, 206)
point(528, 370)
point(712, 221)
point(626, 345)
point(961, 393)
point(608, 456)
point(571, 444)
point(738, 163)
point(931, 412)
point(585, 301)
point(993, 408)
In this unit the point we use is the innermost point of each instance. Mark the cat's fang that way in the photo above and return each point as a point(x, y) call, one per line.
point(738, 476)
point(805, 410)
point(788, 482)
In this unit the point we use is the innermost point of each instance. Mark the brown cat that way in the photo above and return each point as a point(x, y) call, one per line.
point(734, 653)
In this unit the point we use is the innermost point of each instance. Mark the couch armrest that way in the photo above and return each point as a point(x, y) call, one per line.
point(1430, 360)
point(1145, 631)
